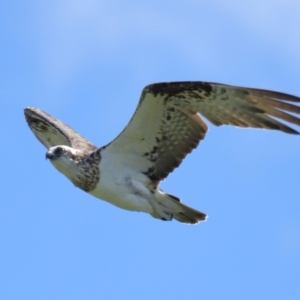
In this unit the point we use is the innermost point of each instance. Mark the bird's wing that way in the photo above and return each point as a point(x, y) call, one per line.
point(52, 132)
point(166, 125)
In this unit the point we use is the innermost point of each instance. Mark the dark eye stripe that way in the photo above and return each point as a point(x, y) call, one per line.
point(60, 150)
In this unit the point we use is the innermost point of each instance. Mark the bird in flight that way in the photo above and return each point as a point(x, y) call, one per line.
point(165, 127)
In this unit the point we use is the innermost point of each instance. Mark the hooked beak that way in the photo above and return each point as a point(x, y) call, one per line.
point(49, 155)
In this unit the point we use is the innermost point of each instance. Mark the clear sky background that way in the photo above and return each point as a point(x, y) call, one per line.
point(86, 62)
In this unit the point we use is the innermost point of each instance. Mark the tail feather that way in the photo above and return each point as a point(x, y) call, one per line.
point(181, 212)
point(188, 215)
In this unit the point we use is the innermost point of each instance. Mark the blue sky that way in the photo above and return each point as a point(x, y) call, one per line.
point(86, 62)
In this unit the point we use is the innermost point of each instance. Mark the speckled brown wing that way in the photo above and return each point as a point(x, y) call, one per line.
point(166, 125)
point(52, 132)
point(228, 105)
point(180, 133)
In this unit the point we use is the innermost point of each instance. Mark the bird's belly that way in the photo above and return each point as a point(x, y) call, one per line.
point(120, 193)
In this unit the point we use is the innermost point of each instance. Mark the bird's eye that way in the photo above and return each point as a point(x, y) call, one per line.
point(61, 150)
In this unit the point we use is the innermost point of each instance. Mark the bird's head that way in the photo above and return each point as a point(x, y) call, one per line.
point(65, 159)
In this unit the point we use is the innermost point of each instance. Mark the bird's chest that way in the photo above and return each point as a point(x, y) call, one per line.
point(121, 186)
point(86, 177)
point(113, 182)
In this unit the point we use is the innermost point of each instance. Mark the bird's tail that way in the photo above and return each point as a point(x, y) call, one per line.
point(180, 211)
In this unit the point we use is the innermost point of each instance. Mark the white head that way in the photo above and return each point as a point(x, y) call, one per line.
point(65, 159)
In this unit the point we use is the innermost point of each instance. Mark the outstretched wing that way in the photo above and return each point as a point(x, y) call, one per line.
point(166, 125)
point(52, 132)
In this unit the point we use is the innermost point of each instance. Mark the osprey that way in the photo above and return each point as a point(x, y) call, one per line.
point(165, 127)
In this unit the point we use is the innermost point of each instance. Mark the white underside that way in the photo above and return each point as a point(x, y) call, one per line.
point(119, 193)
point(123, 187)
point(128, 188)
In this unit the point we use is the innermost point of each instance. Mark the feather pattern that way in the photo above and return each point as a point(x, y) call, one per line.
point(166, 125)
point(52, 132)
